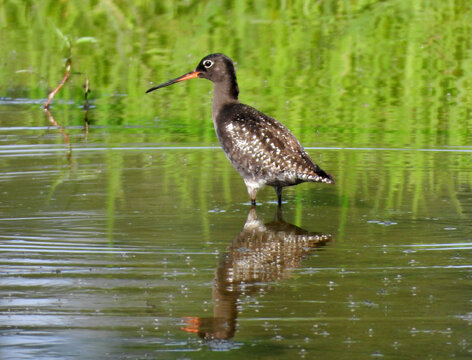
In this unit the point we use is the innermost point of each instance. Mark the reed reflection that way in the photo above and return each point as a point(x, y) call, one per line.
point(259, 254)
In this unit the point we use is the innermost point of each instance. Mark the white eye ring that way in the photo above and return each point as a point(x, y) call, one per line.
point(208, 63)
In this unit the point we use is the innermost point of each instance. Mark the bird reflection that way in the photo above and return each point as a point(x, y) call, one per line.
point(259, 254)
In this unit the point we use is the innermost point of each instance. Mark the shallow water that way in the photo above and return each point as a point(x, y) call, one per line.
point(126, 234)
point(145, 250)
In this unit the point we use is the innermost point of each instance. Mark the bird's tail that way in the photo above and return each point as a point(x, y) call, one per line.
point(327, 178)
point(322, 176)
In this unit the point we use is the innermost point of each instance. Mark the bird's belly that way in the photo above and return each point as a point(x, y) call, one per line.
point(261, 173)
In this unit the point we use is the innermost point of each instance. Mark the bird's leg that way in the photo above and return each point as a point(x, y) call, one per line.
point(252, 194)
point(278, 190)
point(278, 214)
point(252, 190)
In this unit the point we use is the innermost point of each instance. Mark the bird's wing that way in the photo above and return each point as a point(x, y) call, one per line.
point(261, 146)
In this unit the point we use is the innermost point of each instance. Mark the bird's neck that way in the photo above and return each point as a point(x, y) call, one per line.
point(224, 92)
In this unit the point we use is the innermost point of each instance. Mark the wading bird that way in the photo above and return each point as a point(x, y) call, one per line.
point(260, 148)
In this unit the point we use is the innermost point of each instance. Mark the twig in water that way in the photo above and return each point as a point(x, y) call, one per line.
point(61, 84)
point(86, 92)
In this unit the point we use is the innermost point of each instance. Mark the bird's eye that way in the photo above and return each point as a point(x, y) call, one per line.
point(207, 63)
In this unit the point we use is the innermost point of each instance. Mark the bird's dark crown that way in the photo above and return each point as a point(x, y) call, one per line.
point(219, 68)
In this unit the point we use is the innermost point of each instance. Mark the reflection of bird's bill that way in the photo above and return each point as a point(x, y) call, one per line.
point(193, 324)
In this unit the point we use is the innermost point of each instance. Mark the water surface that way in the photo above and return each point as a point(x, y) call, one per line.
point(126, 234)
point(152, 251)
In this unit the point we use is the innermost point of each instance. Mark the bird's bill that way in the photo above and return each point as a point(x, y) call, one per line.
point(188, 76)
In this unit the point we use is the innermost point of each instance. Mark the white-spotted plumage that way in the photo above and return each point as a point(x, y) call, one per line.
point(262, 150)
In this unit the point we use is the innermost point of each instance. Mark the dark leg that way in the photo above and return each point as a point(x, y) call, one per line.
point(278, 190)
point(252, 194)
point(278, 214)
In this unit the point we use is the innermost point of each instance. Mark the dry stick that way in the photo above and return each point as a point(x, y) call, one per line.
point(61, 84)
point(86, 92)
point(86, 107)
